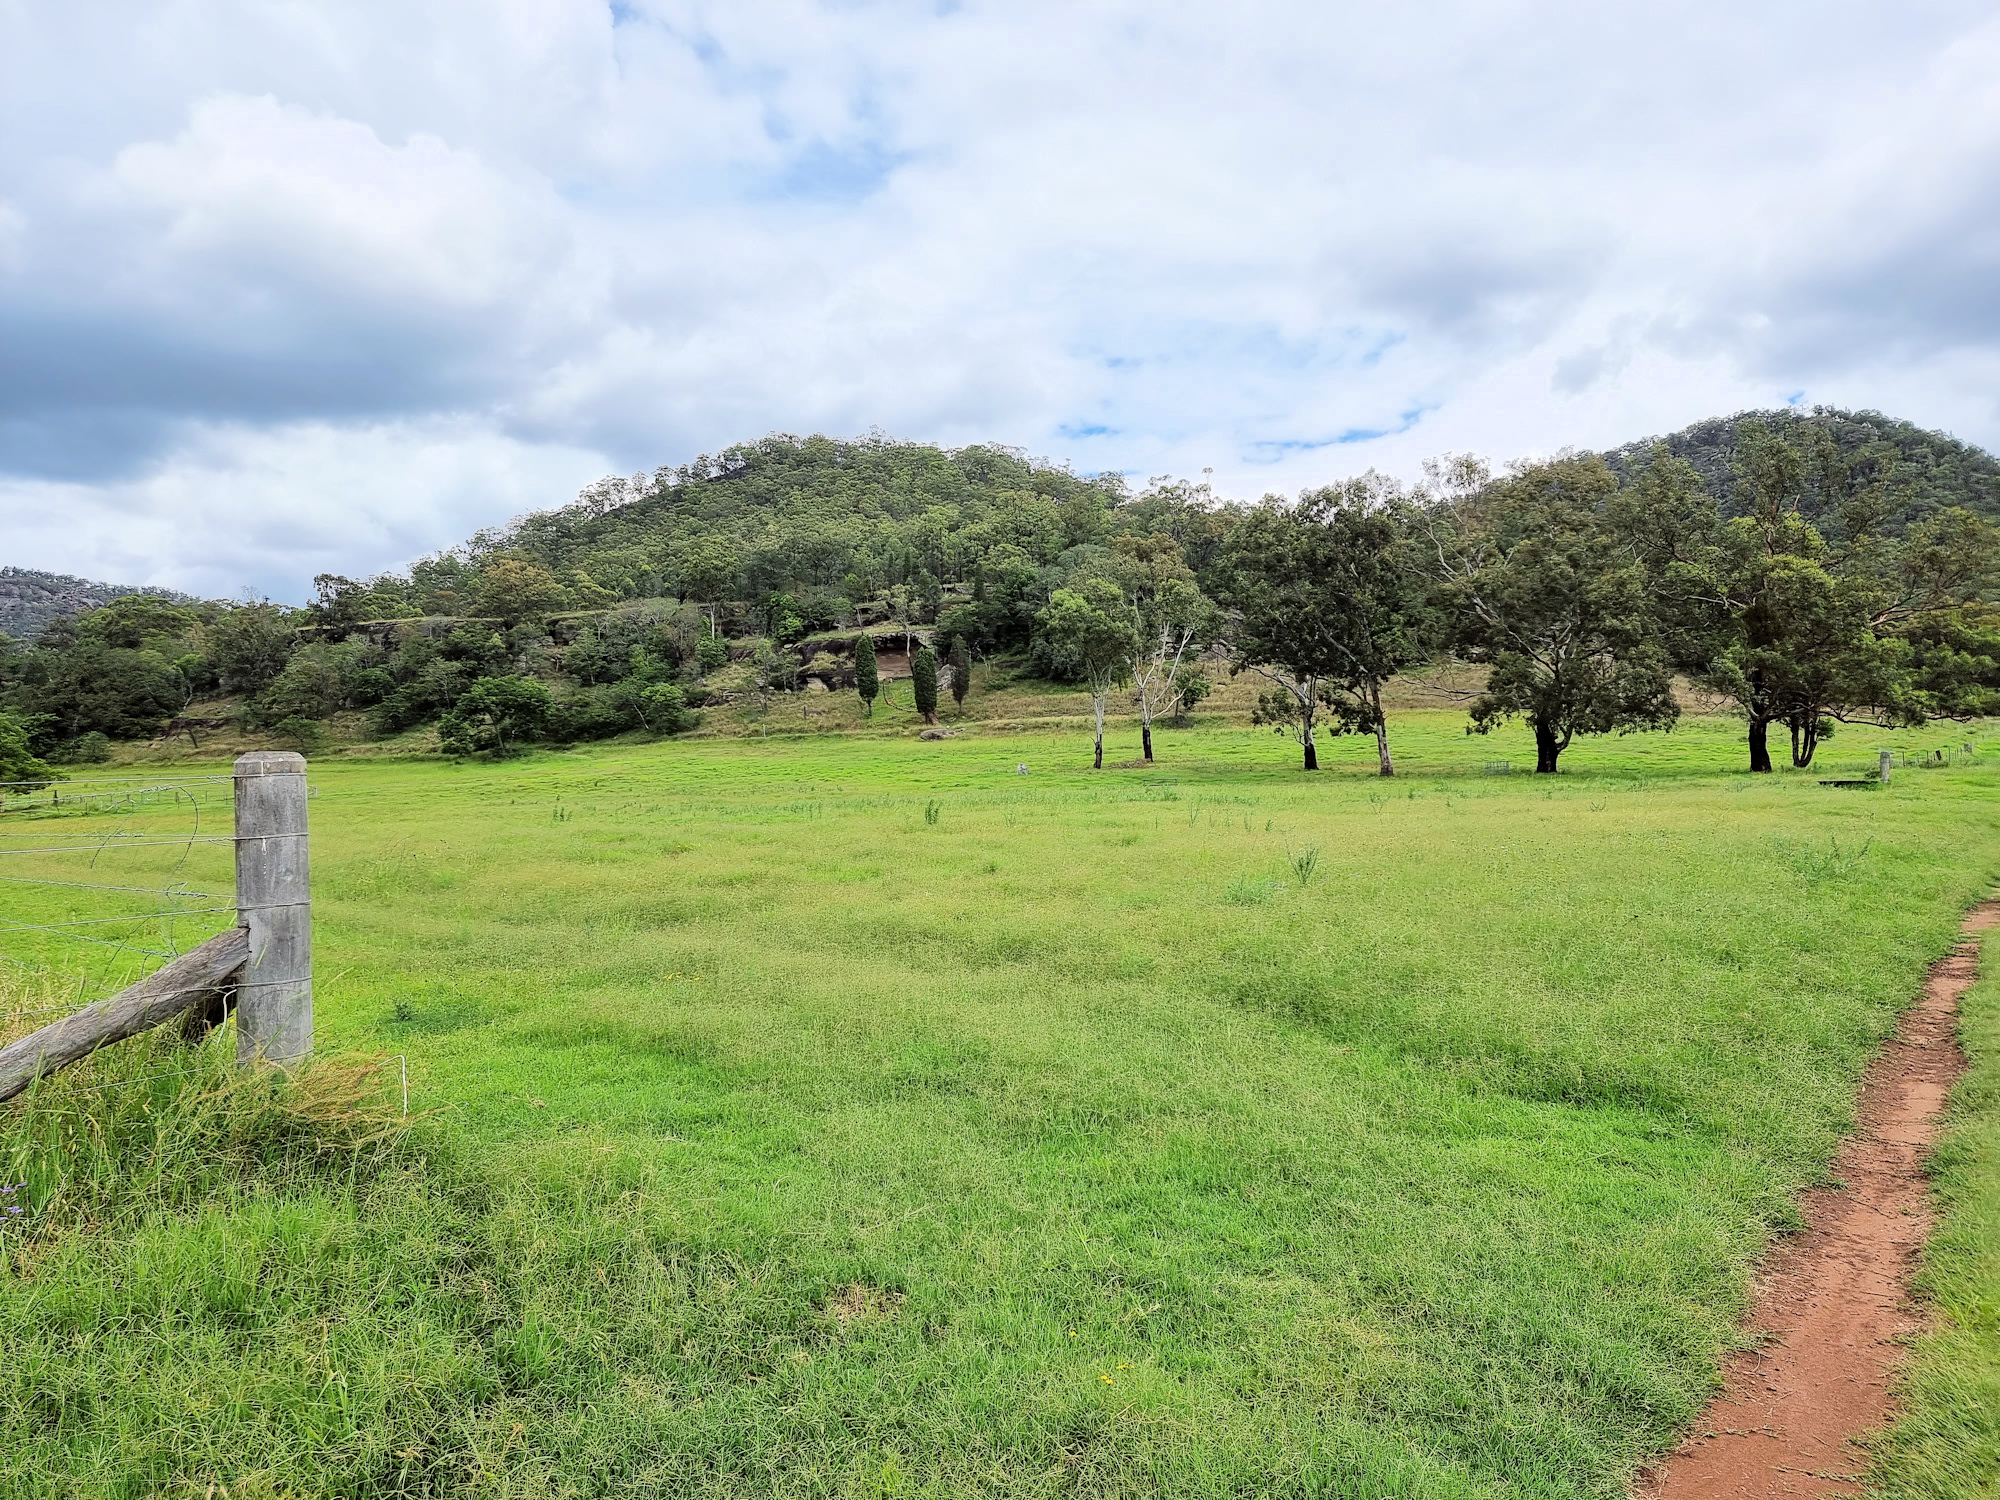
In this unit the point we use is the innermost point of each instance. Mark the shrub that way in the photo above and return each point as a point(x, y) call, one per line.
point(1054, 662)
point(301, 733)
point(495, 714)
point(92, 749)
point(1191, 685)
point(308, 688)
point(961, 670)
point(662, 708)
point(17, 763)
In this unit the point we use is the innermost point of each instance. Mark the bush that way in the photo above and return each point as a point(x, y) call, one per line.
point(1053, 662)
point(301, 733)
point(867, 676)
point(1191, 685)
point(594, 714)
point(495, 714)
point(308, 688)
point(17, 763)
point(92, 749)
point(710, 654)
point(399, 711)
point(662, 708)
point(961, 671)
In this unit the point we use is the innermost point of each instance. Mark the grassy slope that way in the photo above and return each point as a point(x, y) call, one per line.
point(1948, 1443)
point(1064, 1145)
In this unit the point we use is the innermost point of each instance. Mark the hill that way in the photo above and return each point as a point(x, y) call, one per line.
point(1937, 468)
point(30, 599)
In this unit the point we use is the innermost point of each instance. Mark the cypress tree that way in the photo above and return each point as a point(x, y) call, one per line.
point(923, 681)
point(961, 670)
point(867, 681)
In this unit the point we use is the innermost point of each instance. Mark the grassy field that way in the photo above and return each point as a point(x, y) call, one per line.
point(854, 1116)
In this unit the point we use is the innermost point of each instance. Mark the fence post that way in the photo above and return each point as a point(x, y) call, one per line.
point(1882, 773)
point(274, 901)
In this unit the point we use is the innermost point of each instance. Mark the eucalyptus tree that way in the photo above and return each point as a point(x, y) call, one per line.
point(1328, 602)
point(1556, 604)
point(1806, 611)
point(1173, 617)
point(1098, 629)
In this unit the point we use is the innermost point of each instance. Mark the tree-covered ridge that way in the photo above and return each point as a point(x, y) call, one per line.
point(1930, 471)
point(819, 516)
point(30, 598)
point(1831, 584)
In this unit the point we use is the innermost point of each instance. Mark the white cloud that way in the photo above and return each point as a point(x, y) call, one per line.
point(229, 508)
point(1142, 237)
point(265, 192)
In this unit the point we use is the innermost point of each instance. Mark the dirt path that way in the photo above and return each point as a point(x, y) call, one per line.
point(1830, 1305)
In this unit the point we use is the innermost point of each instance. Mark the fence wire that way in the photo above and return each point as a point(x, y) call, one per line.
point(124, 815)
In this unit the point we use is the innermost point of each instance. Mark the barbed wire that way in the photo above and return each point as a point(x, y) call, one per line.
point(143, 916)
point(78, 848)
point(37, 783)
point(137, 890)
point(46, 1010)
point(121, 944)
point(66, 826)
point(85, 841)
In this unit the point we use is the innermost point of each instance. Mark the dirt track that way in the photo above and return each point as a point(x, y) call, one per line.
point(1831, 1307)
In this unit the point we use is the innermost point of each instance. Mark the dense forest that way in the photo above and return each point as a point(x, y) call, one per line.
point(1807, 567)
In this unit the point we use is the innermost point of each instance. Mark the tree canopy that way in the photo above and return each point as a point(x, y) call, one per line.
point(1808, 568)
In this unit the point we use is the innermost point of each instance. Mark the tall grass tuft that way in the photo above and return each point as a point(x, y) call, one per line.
point(152, 1124)
point(1305, 864)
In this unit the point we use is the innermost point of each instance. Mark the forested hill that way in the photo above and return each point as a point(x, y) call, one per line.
point(855, 515)
point(849, 517)
point(761, 569)
point(1935, 469)
point(830, 505)
point(29, 599)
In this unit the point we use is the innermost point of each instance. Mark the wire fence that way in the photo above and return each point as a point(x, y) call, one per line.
point(76, 856)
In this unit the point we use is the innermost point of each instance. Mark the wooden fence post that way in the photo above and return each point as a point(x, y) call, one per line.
point(1882, 773)
point(274, 901)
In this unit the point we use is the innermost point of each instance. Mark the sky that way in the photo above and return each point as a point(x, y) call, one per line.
point(289, 288)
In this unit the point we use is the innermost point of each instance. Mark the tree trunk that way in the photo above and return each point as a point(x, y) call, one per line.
point(1760, 748)
point(1381, 730)
point(1146, 739)
point(1311, 749)
point(1547, 749)
point(1097, 711)
point(1805, 740)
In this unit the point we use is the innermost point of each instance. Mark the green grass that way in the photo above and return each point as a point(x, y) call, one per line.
point(1084, 1139)
point(1948, 1443)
